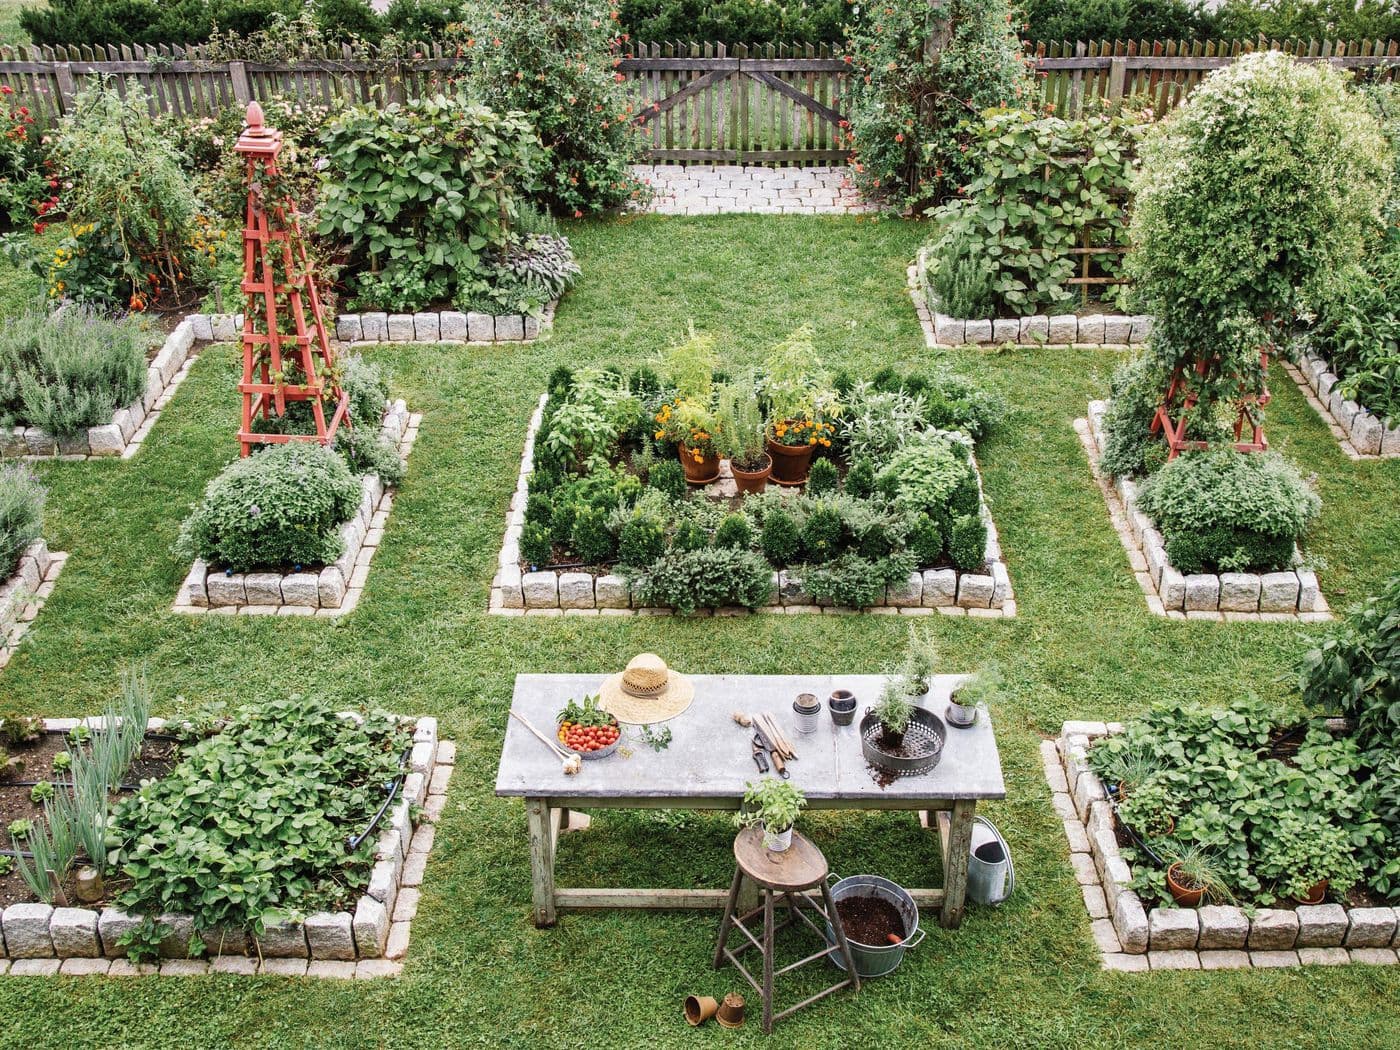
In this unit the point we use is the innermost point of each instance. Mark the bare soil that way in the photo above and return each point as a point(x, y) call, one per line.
point(156, 759)
point(870, 920)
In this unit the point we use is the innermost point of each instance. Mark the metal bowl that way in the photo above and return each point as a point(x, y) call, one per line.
point(923, 740)
point(589, 756)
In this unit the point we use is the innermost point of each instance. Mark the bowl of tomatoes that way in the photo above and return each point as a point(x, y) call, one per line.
point(588, 731)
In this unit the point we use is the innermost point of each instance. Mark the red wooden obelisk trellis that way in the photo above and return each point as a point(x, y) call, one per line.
point(280, 364)
point(1174, 430)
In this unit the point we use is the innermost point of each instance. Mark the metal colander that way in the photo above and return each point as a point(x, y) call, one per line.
point(923, 744)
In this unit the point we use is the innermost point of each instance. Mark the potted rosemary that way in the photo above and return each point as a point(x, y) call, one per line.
point(739, 436)
point(981, 689)
point(772, 805)
point(894, 709)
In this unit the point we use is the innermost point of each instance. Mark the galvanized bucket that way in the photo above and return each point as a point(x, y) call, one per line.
point(991, 874)
point(876, 960)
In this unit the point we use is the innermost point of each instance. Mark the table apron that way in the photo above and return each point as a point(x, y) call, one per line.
point(732, 804)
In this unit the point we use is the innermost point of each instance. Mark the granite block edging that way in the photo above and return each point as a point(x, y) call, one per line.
point(327, 591)
point(1290, 595)
point(24, 594)
point(367, 943)
point(1132, 938)
point(569, 592)
point(1361, 433)
point(1114, 331)
point(444, 326)
point(129, 426)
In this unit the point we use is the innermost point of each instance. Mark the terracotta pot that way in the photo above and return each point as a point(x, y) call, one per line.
point(698, 473)
point(731, 1011)
point(752, 480)
point(700, 1008)
point(1315, 895)
point(790, 462)
point(1184, 896)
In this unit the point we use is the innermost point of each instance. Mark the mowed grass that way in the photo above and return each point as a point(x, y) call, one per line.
point(11, 32)
point(1084, 645)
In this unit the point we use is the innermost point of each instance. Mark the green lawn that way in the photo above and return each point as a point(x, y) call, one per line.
point(10, 30)
point(1083, 645)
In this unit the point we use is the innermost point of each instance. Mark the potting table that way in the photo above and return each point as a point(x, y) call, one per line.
point(710, 758)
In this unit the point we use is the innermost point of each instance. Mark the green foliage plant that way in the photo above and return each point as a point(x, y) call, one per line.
point(771, 803)
point(739, 425)
point(796, 384)
point(668, 477)
point(22, 498)
point(823, 478)
point(312, 779)
point(1045, 185)
point(853, 581)
point(420, 193)
point(1251, 198)
point(923, 475)
point(709, 577)
point(734, 531)
point(536, 544)
point(129, 188)
point(1230, 511)
point(967, 543)
point(895, 707)
point(557, 64)
point(689, 365)
point(779, 538)
point(281, 506)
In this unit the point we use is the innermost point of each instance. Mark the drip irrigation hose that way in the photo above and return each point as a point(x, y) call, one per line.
point(352, 842)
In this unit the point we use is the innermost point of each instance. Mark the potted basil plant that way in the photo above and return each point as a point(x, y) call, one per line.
point(773, 805)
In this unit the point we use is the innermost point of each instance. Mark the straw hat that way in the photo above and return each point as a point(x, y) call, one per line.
point(648, 691)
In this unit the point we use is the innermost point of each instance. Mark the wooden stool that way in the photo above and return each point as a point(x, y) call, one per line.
point(801, 867)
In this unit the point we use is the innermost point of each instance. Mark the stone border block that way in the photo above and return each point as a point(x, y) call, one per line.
point(444, 326)
point(1361, 433)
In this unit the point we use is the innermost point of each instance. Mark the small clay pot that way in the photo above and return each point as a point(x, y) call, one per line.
point(750, 481)
point(700, 1008)
point(1315, 895)
point(791, 463)
point(1185, 896)
point(701, 471)
point(842, 706)
point(731, 1011)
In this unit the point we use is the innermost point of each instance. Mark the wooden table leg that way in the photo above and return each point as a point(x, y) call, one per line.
point(539, 822)
point(955, 862)
point(728, 920)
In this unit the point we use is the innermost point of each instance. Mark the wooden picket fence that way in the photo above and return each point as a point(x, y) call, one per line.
point(1071, 74)
point(776, 104)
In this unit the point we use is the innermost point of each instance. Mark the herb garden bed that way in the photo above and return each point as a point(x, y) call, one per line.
point(24, 594)
point(1361, 433)
point(1133, 936)
point(519, 589)
point(445, 326)
point(330, 590)
point(130, 425)
point(368, 937)
point(1292, 594)
point(1088, 330)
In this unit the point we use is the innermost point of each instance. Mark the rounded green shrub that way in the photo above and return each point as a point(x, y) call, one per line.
point(561, 522)
point(536, 545)
point(860, 479)
point(734, 531)
point(1245, 511)
point(967, 543)
point(823, 478)
point(689, 536)
point(281, 506)
point(926, 540)
point(967, 497)
point(590, 539)
point(668, 476)
point(642, 541)
point(823, 532)
point(539, 509)
point(779, 538)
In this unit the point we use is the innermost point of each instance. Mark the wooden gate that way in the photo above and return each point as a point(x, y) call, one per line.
point(710, 102)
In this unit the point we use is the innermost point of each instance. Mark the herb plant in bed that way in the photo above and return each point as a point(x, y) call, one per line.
point(892, 492)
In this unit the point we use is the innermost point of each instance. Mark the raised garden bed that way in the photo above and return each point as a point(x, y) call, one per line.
point(367, 938)
point(519, 589)
point(330, 590)
point(444, 326)
point(1292, 594)
point(24, 594)
point(1135, 935)
point(1361, 433)
point(1087, 330)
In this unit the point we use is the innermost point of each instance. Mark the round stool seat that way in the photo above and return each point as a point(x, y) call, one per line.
point(799, 867)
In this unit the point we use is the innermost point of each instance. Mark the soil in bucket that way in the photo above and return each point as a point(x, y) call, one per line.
point(870, 920)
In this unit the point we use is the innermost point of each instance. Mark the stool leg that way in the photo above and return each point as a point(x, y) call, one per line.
point(728, 919)
point(767, 960)
point(835, 918)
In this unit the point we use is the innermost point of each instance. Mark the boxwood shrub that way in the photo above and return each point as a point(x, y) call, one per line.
point(1222, 510)
point(278, 507)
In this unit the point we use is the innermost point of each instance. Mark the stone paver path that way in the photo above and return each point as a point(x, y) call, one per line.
point(712, 189)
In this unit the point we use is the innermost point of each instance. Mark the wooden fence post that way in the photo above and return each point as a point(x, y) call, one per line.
point(1117, 76)
point(63, 73)
point(238, 73)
